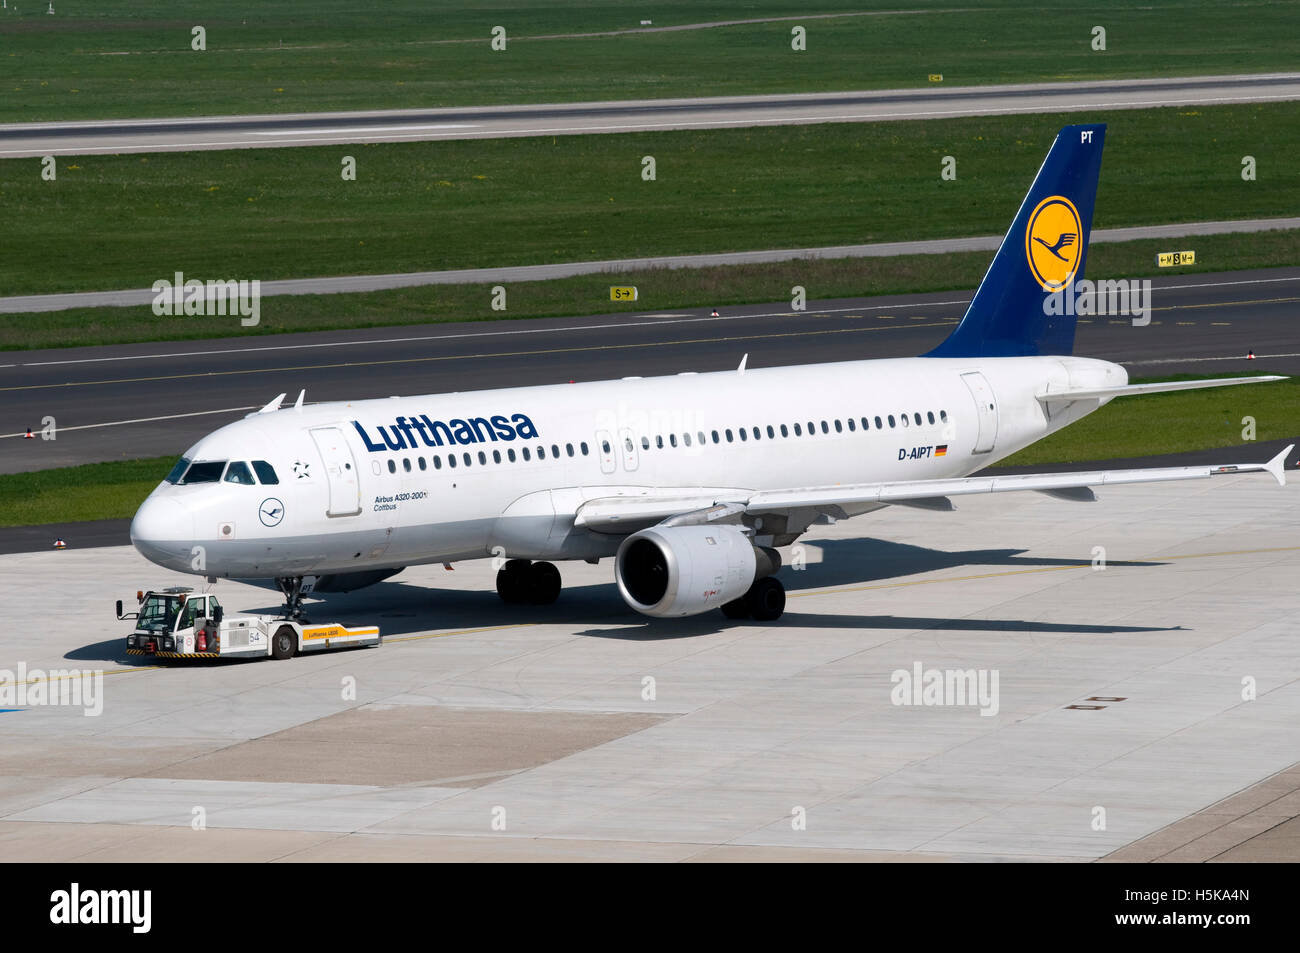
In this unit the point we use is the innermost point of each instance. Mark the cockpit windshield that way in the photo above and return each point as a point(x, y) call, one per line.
point(265, 472)
point(238, 472)
point(178, 471)
point(205, 472)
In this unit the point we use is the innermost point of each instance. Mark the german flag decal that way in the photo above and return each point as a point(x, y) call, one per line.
point(939, 451)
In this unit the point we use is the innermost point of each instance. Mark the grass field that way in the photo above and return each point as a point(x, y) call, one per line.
point(125, 221)
point(134, 58)
point(1137, 426)
point(659, 289)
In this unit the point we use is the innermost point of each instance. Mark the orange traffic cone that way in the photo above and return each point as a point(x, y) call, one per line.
point(28, 435)
point(60, 544)
point(715, 313)
point(1250, 355)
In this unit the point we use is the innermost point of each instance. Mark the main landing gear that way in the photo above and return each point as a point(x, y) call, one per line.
point(764, 602)
point(520, 582)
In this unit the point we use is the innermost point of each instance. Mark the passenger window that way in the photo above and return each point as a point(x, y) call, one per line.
point(798, 431)
point(771, 432)
point(825, 427)
point(645, 443)
point(496, 456)
point(686, 439)
point(265, 473)
point(238, 472)
point(627, 442)
point(700, 435)
point(930, 415)
point(541, 452)
point(784, 431)
point(729, 437)
point(437, 462)
point(879, 425)
point(568, 447)
point(903, 419)
point(528, 456)
point(812, 428)
point(510, 454)
point(672, 439)
point(583, 447)
point(555, 450)
point(715, 436)
point(406, 464)
point(604, 448)
point(839, 427)
point(482, 458)
point(943, 415)
point(758, 434)
point(451, 460)
point(423, 465)
point(659, 441)
point(852, 425)
point(392, 466)
point(469, 461)
point(917, 418)
point(744, 434)
point(865, 426)
point(891, 421)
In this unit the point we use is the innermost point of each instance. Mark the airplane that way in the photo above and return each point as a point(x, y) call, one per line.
point(690, 482)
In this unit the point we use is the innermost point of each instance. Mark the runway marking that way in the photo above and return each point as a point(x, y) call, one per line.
point(87, 674)
point(439, 635)
point(1197, 360)
point(455, 357)
point(676, 319)
point(484, 334)
point(139, 420)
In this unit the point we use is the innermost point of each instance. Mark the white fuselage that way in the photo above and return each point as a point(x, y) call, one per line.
point(368, 485)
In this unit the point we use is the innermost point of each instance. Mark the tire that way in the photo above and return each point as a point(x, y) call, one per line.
point(284, 644)
point(766, 599)
point(512, 581)
point(544, 584)
point(736, 609)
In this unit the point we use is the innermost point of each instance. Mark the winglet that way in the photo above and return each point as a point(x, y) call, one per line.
point(1277, 465)
point(744, 360)
point(297, 404)
point(273, 405)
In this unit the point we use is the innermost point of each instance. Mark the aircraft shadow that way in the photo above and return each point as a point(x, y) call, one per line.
point(847, 561)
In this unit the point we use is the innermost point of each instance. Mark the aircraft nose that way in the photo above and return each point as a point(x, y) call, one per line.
point(163, 532)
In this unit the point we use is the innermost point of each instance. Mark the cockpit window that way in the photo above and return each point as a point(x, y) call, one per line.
point(238, 472)
point(265, 472)
point(178, 471)
point(209, 472)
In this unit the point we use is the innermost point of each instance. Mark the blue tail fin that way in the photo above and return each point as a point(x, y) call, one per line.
point(1043, 252)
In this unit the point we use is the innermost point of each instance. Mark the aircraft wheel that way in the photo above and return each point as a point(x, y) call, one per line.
point(544, 584)
point(512, 579)
point(736, 609)
point(766, 599)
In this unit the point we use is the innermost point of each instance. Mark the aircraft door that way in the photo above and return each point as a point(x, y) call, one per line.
point(986, 410)
point(605, 447)
point(340, 471)
point(627, 445)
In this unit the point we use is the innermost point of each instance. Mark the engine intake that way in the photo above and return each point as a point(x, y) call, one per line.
point(675, 571)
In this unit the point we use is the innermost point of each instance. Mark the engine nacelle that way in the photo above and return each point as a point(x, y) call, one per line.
point(685, 570)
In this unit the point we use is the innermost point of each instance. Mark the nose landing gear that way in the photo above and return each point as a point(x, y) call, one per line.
point(520, 582)
point(294, 588)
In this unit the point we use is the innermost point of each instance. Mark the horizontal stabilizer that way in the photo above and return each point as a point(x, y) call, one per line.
point(1130, 390)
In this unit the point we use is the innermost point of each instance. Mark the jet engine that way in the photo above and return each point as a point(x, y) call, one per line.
point(673, 571)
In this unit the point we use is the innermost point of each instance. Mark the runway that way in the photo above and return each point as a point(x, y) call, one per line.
point(1120, 728)
point(315, 129)
point(142, 400)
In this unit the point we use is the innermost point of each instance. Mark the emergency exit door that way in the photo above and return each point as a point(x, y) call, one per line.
point(340, 471)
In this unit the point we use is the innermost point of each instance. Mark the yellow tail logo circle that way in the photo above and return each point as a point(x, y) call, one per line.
point(1054, 242)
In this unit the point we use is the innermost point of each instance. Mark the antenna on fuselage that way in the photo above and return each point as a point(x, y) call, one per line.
point(273, 406)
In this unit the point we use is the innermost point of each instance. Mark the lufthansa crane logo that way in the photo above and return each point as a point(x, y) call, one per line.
point(1053, 242)
point(271, 512)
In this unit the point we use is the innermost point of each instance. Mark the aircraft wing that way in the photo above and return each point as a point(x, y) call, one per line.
point(624, 514)
point(1163, 387)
